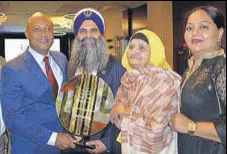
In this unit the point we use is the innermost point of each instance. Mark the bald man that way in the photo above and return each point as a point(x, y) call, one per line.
point(29, 86)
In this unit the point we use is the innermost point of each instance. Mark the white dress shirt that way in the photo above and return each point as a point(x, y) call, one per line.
point(2, 125)
point(58, 75)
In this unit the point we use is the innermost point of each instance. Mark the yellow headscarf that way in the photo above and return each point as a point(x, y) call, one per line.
point(157, 56)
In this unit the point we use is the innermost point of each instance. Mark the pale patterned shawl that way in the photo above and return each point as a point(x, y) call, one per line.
point(152, 95)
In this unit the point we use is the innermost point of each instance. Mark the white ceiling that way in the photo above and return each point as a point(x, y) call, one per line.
point(18, 12)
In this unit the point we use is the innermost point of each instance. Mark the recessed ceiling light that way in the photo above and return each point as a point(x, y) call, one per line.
point(2, 14)
point(69, 16)
point(59, 33)
point(2, 17)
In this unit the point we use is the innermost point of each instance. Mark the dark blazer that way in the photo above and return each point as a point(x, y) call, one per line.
point(28, 106)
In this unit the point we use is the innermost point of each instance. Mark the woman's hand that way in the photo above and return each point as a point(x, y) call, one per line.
point(180, 123)
point(115, 115)
point(203, 129)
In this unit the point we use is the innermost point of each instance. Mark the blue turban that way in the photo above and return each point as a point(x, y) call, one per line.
point(88, 14)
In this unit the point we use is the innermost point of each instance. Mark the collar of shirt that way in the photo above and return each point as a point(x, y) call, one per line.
point(38, 57)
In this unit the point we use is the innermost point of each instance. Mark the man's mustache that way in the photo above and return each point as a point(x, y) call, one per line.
point(89, 41)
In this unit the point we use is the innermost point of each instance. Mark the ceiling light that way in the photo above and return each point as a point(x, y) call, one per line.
point(56, 33)
point(69, 16)
point(2, 17)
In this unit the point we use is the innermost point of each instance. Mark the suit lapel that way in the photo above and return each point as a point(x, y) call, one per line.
point(34, 67)
point(60, 63)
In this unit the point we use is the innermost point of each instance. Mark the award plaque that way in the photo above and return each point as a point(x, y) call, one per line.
point(83, 107)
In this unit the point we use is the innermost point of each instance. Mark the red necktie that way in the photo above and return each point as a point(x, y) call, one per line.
point(51, 78)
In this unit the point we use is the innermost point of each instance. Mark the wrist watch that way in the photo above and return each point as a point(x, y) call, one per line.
point(191, 128)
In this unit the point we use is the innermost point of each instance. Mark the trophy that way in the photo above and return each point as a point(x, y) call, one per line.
point(83, 107)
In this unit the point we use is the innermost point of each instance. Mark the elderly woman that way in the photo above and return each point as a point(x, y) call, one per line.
point(147, 98)
point(202, 121)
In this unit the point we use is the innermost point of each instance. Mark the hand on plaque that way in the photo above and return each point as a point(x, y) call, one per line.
point(64, 141)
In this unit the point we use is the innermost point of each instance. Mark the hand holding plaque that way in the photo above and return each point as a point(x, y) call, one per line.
point(83, 107)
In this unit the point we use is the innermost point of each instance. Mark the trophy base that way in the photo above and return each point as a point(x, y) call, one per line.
point(92, 147)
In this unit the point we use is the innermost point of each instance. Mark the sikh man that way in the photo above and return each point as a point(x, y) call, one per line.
point(89, 53)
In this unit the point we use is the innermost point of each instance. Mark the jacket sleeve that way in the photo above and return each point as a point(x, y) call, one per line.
point(220, 123)
point(116, 71)
point(106, 137)
point(13, 106)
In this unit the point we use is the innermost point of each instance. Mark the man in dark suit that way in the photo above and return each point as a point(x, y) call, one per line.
point(29, 86)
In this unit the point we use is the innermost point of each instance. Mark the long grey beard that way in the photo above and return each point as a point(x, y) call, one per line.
point(91, 53)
